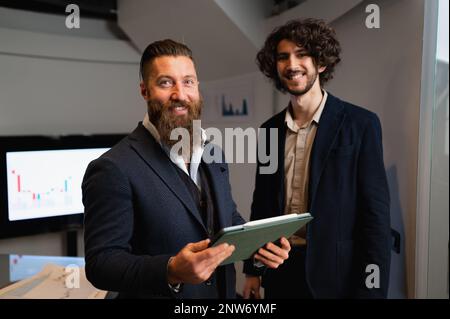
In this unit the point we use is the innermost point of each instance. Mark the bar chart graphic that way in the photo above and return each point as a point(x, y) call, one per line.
point(229, 100)
point(46, 183)
point(228, 109)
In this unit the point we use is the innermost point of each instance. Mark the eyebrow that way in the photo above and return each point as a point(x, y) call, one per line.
point(171, 77)
point(301, 50)
point(298, 50)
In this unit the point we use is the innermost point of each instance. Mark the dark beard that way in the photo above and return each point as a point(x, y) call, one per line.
point(309, 84)
point(159, 114)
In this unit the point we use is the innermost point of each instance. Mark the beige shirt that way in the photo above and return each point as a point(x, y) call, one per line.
point(298, 144)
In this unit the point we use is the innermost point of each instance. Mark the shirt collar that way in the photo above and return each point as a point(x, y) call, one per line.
point(316, 117)
point(177, 159)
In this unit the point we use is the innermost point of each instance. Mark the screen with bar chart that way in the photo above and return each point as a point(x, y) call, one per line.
point(40, 181)
point(46, 183)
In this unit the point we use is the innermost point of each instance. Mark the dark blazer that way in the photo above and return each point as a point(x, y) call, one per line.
point(139, 213)
point(348, 198)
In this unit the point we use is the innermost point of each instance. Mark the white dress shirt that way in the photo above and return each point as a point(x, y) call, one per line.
point(177, 159)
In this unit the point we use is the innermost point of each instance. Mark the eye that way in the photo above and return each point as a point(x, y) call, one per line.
point(302, 54)
point(189, 82)
point(165, 83)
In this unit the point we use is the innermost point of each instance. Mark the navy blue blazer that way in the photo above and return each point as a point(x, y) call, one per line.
point(138, 213)
point(348, 197)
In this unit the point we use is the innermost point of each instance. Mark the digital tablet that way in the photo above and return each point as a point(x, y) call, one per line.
point(251, 236)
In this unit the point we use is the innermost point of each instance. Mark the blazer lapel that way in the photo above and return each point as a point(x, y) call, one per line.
point(330, 123)
point(152, 153)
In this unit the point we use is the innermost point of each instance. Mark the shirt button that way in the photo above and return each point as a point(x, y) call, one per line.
point(208, 282)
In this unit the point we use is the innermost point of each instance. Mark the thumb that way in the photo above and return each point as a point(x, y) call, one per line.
point(198, 246)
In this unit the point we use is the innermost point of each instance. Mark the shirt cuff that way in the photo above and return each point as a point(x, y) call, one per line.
point(257, 263)
point(174, 288)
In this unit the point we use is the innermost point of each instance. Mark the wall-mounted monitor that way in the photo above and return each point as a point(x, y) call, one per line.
point(40, 181)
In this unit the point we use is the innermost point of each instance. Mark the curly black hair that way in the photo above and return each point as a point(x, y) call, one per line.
point(314, 35)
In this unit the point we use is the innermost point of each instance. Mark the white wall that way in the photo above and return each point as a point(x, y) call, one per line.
point(381, 70)
point(52, 84)
point(58, 83)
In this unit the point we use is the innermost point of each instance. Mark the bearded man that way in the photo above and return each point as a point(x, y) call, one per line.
point(149, 211)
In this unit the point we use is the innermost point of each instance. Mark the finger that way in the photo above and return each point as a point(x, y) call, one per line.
point(213, 262)
point(198, 246)
point(224, 255)
point(270, 256)
point(267, 262)
point(209, 262)
point(278, 251)
point(285, 244)
point(210, 265)
point(256, 293)
point(210, 253)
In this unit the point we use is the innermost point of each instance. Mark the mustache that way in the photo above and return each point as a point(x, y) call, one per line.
point(158, 110)
point(291, 73)
point(174, 104)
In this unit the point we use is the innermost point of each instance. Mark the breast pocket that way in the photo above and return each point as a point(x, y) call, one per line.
point(342, 151)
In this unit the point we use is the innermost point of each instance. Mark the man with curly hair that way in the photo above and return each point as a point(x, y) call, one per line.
point(331, 165)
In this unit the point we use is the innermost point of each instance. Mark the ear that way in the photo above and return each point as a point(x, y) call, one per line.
point(144, 92)
point(322, 68)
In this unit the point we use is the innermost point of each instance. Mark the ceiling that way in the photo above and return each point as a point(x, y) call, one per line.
point(102, 9)
point(224, 35)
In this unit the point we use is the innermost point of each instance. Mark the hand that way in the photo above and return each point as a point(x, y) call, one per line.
point(195, 263)
point(273, 256)
point(251, 287)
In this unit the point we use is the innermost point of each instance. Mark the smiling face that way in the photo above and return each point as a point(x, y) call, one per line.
point(296, 70)
point(172, 94)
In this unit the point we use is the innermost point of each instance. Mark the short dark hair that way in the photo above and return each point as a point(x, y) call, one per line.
point(160, 48)
point(313, 35)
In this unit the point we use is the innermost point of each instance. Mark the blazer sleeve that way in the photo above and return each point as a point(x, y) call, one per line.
point(110, 265)
point(374, 203)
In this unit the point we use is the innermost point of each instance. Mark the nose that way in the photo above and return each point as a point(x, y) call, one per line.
point(178, 93)
point(293, 63)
